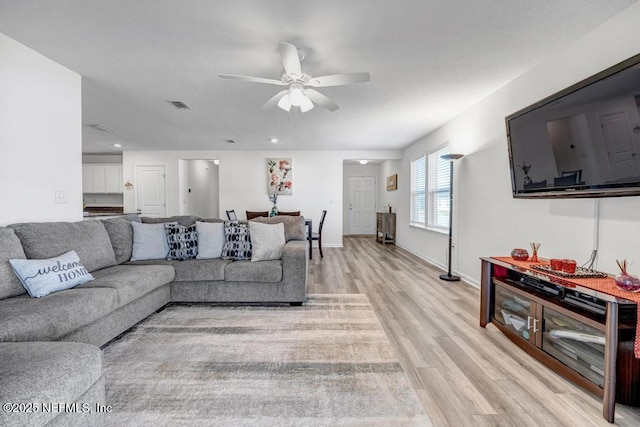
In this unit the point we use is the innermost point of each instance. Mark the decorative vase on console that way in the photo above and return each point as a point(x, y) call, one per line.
point(274, 208)
point(526, 168)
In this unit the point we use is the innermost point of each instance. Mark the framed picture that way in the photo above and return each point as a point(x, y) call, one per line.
point(279, 176)
point(392, 182)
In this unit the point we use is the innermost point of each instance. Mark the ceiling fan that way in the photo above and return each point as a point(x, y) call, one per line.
point(300, 92)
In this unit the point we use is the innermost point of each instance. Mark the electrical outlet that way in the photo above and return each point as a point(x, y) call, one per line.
point(61, 197)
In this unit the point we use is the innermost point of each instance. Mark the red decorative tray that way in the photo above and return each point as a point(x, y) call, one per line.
point(581, 272)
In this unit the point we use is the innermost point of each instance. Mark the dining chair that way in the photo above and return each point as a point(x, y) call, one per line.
point(251, 215)
point(231, 215)
point(318, 236)
point(293, 213)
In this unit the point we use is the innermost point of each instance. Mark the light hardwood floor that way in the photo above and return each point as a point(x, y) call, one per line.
point(464, 375)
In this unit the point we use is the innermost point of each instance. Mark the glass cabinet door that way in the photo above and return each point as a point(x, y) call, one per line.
point(576, 344)
point(513, 311)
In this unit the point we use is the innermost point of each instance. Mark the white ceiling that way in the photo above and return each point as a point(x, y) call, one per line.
point(428, 60)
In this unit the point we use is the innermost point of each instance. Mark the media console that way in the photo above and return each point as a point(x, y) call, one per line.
point(582, 334)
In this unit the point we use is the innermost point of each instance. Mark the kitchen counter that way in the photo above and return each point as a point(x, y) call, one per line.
point(104, 215)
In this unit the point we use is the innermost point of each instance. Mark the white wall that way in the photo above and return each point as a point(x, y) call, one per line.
point(40, 137)
point(487, 220)
point(385, 198)
point(318, 182)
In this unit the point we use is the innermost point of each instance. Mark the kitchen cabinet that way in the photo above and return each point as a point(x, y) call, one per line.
point(102, 178)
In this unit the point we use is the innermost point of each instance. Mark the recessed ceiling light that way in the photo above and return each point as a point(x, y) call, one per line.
point(364, 162)
point(117, 145)
point(102, 128)
point(273, 140)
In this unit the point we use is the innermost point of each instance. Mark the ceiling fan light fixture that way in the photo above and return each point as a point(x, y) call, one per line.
point(295, 94)
point(285, 103)
point(306, 104)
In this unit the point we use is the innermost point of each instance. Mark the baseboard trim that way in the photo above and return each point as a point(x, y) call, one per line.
point(465, 278)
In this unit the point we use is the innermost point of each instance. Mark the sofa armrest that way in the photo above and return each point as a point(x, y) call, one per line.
point(294, 269)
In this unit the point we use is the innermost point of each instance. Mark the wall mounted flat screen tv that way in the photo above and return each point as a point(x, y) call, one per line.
point(583, 141)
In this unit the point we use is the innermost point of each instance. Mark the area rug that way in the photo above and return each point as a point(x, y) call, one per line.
point(327, 362)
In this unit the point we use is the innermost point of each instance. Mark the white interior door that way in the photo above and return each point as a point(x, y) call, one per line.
point(151, 194)
point(623, 161)
point(362, 204)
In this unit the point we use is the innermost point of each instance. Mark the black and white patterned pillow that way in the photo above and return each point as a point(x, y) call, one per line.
point(183, 241)
point(237, 241)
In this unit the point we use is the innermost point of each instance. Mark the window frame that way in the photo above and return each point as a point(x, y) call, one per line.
point(436, 188)
point(418, 194)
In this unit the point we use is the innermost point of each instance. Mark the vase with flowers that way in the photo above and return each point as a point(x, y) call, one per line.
point(274, 209)
point(526, 168)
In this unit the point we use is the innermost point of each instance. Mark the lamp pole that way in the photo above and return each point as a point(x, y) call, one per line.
point(451, 157)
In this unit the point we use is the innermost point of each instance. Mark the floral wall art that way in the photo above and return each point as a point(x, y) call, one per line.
point(279, 176)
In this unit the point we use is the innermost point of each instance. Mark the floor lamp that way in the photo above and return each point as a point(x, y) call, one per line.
point(451, 157)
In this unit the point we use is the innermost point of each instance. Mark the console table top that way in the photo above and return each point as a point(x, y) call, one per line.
point(603, 288)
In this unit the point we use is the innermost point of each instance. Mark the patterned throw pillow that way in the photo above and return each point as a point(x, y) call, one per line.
point(237, 241)
point(183, 241)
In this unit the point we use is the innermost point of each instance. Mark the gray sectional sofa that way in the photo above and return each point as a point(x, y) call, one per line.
point(49, 346)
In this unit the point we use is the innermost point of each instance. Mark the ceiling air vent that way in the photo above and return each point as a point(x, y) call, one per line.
point(102, 128)
point(179, 105)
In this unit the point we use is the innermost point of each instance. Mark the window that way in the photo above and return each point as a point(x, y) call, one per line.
point(438, 190)
point(418, 190)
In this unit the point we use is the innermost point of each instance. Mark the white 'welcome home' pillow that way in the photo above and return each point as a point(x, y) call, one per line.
point(41, 277)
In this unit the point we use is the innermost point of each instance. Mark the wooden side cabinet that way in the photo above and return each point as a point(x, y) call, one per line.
point(583, 335)
point(386, 228)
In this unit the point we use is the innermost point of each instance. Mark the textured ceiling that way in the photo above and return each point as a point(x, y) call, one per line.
point(428, 60)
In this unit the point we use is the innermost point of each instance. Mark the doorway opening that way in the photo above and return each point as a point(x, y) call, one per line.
point(199, 187)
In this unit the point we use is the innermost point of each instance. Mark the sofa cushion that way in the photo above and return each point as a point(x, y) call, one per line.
point(10, 248)
point(210, 239)
point(237, 241)
point(46, 373)
point(247, 271)
point(294, 228)
point(131, 282)
point(51, 317)
point(185, 220)
point(267, 241)
point(44, 276)
point(89, 239)
point(149, 241)
point(152, 262)
point(183, 241)
point(200, 269)
point(120, 233)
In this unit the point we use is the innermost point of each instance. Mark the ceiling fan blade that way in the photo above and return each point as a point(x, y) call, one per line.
point(339, 79)
point(252, 79)
point(321, 99)
point(290, 59)
point(273, 101)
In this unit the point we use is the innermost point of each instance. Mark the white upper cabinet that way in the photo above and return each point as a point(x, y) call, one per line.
point(102, 178)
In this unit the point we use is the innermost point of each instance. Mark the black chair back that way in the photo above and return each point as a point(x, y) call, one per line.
point(324, 214)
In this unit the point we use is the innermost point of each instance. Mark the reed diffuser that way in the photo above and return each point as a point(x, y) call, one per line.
point(624, 280)
point(534, 248)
